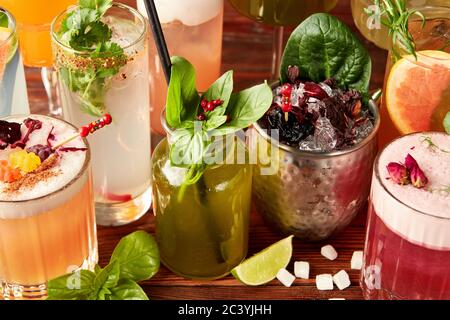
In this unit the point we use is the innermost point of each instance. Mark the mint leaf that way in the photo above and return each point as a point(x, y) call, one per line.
point(188, 147)
point(182, 97)
point(447, 123)
point(138, 256)
point(127, 290)
point(72, 286)
point(246, 107)
point(220, 89)
point(4, 21)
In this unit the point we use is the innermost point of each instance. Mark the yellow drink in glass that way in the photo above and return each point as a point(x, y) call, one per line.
point(33, 22)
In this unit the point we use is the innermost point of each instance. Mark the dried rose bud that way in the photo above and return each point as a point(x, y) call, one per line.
point(417, 176)
point(398, 173)
point(293, 73)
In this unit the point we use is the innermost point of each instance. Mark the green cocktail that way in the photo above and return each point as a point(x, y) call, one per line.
point(203, 233)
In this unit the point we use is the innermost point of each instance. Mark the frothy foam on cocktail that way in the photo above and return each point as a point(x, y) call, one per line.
point(420, 215)
point(59, 176)
point(188, 12)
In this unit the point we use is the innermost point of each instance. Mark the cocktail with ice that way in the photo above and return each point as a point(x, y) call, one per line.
point(407, 251)
point(47, 221)
point(106, 70)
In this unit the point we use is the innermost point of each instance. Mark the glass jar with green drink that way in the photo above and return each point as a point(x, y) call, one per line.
point(202, 175)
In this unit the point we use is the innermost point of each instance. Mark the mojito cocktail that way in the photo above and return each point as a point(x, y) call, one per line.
point(108, 73)
point(47, 220)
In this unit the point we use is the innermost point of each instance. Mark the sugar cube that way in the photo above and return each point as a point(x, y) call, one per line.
point(357, 260)
point(342, 280)
point(285, 277)
point(324, 282)
point(328, 252)
point(301, 269)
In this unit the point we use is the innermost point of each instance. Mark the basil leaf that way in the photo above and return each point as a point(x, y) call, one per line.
point(220, 89)
point(73, 286)
point(182, 96)
point(188, 147)
point(107, 278)
point(447, 123)
point(138, 256)
point(246, 107)
point(215, 122)
point(4, 21)
point(323, 47)
point(127, 290)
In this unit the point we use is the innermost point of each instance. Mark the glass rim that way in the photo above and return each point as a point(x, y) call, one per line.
point(122, 6)
point(380, 181)
point(12, 20)
point(403, 52)
point(79, 175)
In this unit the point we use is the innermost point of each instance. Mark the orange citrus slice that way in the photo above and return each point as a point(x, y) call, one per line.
point(418, 92)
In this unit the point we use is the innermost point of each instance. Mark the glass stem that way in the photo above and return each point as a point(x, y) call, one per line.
point(50, 81)
point(277, 51)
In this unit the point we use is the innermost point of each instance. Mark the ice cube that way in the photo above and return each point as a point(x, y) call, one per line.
point(298, 92)
point(308, 144)
point(324, 281)
point(342, 280)
point(301, 269)
point(325, 136)
point(278, 100)
point(285, 277)
point(363, 130)
point(357, 260)
point(328, 252)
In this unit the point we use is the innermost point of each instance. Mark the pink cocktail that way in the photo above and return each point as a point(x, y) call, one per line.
point(407, 251)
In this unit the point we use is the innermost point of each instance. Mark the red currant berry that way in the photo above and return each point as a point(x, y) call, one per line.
point(218, 102)
point(201, 117)
point(210, 106)
point(84, 131)
point(286, 90)
point(203, 103)
point(107, 119)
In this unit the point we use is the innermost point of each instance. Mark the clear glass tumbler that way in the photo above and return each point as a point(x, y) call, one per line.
point(121, 151)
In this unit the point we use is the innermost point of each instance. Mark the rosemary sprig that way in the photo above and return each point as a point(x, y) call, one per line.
point(396, 18)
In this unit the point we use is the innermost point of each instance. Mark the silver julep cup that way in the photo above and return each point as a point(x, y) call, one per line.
point(312, 195)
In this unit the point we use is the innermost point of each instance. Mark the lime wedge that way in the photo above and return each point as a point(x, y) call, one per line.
point(264, 266)
point(11, 47)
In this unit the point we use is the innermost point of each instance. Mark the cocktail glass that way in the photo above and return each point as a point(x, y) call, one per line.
point(45, 237)
point(279, 14)
point(192, 29)
point(372, 28)
point(202, 232)
point(13, 91)
point(407, 250)
point(33, 26)
point(121, 152)
point(417, 91)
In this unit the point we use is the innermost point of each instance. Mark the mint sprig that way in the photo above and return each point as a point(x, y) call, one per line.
point(191, 139)
point(83, 30)
point(134, 259)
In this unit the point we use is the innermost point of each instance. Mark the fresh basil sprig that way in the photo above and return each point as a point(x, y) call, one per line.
point(135, 258)
point(191, 139)
point(83, 30)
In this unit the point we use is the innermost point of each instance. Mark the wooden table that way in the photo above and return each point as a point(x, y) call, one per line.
point(246, 49)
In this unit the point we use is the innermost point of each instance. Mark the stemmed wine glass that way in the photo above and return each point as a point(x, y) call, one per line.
point(280, 13)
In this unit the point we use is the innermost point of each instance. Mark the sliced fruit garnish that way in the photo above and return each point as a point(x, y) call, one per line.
point(264, 266)
point(418, 92)
point(8, 174)
point(118, 197)
point(25, 161)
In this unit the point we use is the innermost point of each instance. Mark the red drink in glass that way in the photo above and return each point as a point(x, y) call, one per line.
point(407, 251)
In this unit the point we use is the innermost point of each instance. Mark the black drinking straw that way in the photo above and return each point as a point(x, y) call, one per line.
point(159, 37)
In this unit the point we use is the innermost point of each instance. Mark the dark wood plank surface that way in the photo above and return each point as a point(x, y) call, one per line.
point(246, 49)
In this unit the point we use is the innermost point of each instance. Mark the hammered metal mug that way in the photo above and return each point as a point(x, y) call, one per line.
point(312, 195)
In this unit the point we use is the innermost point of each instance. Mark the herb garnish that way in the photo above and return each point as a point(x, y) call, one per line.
point(4, 22)
point(83, 30)
point(134, 259)
point(192, 138)
point(397, 21)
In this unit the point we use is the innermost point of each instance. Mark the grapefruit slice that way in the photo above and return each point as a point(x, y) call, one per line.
point(418, 92)
point(4, 49)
